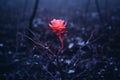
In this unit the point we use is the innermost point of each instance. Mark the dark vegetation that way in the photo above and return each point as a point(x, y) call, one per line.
point(92, 42)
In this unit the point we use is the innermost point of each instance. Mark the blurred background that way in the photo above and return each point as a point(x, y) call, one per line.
point(91, 44)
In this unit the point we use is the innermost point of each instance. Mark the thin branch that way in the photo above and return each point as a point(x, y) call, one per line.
point(99, 12)
point(80, 74)
point(32, 33)
point(39, 44)
point(91, 36)
point(33, 14)
point(97, 38)
point(50, 74)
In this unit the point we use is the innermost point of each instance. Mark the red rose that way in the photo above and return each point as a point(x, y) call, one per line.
point(57, 25)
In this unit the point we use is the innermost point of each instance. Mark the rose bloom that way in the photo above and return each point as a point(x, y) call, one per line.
point(57, 25)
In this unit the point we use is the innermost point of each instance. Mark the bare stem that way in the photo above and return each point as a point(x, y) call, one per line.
point(62, 45)
point(61, 41)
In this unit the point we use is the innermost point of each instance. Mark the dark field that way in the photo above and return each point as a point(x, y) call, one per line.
point(91, 45)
